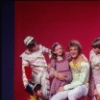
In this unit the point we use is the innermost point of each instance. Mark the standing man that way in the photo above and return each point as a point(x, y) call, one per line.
point(80, 73)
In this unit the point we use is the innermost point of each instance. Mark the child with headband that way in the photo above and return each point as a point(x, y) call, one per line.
point(33, 57)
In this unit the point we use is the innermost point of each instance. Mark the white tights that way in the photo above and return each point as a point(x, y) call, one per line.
point(73, 94)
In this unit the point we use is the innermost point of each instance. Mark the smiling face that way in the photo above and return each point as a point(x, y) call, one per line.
point(58, 50)
point(74, 51)
point(75, 48)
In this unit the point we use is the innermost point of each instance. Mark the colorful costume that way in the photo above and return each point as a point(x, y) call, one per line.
point(95, 65)
point(34, 98)
point(61, 66)
point(30, 89)
point(79, 85)
point(38, 65)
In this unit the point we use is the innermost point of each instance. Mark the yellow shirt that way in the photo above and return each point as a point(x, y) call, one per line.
point(80, 74)
point(34, 98)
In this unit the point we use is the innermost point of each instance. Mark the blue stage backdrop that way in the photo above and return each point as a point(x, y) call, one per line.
point(7, 50)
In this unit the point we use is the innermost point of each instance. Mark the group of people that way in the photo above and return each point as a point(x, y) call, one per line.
point(74, 76)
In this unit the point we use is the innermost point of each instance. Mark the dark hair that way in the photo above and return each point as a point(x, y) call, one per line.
point(54, 56)
point(77, 44)
point(96, 43)
point(38, 87)
point(29, 88)
point(31, 44)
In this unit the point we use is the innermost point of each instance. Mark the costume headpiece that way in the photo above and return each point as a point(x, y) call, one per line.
point(30, 87)
point(28, 39)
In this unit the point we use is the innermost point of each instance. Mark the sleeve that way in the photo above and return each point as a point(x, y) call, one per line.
point(24, 76)
point(83, 76)
point(98, 88)
point(46, 50)
point(90, 55)
point(53, 68)
point(68, 56)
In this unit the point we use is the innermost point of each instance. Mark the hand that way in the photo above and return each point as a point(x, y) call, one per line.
point(95, 92)
point(48, 68)
point(25, 86)
point(56, 74)
point(61, 89)
point(61, 77)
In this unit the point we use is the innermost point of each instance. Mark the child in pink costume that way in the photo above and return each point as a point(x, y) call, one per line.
point(95, 63)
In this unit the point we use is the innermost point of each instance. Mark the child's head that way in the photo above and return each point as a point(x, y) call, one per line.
point(57, 50)
point(75, 48)
point(31, 43)
point(96, 45)
point(34, 89)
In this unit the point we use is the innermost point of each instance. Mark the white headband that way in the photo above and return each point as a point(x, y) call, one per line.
point(28, 39)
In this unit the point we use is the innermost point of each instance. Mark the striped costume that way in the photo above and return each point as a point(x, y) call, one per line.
point(38, 65)
point(95, 65)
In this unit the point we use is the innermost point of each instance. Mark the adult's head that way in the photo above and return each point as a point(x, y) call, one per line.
point(75, 48)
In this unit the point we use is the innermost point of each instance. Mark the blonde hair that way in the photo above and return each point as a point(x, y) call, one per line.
point(77, 44)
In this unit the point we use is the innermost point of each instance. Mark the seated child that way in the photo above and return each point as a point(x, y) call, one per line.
point(59, 63)
point(95, 62)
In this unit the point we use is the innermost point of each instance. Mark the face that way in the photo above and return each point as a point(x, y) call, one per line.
point(58, 50)
point(39, 93)
point(74, 51)
point(96, 50)
point(34, 48)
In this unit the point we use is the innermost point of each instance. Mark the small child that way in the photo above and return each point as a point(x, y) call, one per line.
point(60, 63)
point(95, 62)
point(34, 89)
point(33, 57)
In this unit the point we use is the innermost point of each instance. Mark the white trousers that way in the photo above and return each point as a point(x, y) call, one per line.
point(73, 94)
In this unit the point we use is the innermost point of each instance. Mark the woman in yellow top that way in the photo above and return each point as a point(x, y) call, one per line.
point(34, 89)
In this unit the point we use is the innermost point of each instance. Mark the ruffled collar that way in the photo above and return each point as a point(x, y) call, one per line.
point(77, 64)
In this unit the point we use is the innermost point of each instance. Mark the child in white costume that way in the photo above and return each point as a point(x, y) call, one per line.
point(95, 63)
point(34, 58)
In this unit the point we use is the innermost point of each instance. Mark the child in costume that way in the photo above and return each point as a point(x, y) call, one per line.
point(34, 89)
point(95, 64)
point(60, 63)
point(33, 57)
